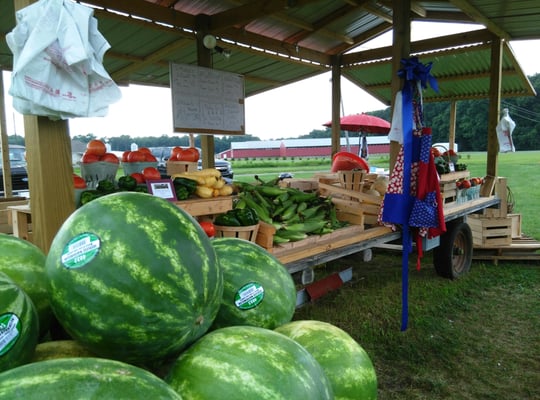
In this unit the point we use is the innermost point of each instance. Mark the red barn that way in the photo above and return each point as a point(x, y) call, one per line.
point(302, 147)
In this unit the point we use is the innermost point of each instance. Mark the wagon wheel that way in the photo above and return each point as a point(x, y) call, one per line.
point(453, 257)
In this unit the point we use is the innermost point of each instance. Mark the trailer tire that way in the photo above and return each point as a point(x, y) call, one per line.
point(453, 257)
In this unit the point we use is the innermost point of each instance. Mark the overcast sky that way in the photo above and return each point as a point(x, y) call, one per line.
point(287, 112)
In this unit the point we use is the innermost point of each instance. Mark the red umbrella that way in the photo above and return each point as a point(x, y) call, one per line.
point(362, 123)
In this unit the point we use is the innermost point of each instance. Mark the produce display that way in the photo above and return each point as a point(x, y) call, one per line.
point(346, 364)
point(24, 263)
point(247, 362)
point(260, 293)
point(19, 325)
point(294, 213)
point(133, 277)
point(83, 378)
point(209, 182)
point(171, 309)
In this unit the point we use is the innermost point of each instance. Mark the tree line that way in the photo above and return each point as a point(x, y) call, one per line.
point(471, 126)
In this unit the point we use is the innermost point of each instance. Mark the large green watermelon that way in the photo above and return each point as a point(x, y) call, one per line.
point(247, 362)
point(257, 289)
point(83, 378)
point(19, 326)
point(24, 262)
point(133, 277)
point(345, 362)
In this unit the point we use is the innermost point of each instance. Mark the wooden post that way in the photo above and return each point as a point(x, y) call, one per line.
point(4, 144)
point(204, 59)
point(50, 173)
point(336, 101)
point(401, 48)
point(452, 126)
point(494, 106)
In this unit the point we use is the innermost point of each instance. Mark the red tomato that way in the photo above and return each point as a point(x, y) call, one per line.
point(88, 158)
point(149, 157)
point(145, 150)
point(465, 184)
point(138, 177)
point(188, 155)
point(96, 147)
point(125, 155)
point(151, 174)
point(194, 153)
point(174, 152)
point(208, 228)
point(78, 182)
point(136, 156)
point(109, 157)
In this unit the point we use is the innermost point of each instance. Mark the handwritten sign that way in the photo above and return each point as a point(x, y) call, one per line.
point(205, 100)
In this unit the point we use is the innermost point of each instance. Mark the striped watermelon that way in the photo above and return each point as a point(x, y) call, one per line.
point(25, 264)
point(257, 289)
point(19, 328)
point(345, 362)
point(83, 378)
point(247, 362)
point(60, 349)
point(133, 277)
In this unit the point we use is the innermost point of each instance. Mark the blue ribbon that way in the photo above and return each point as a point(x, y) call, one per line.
point(414, 71)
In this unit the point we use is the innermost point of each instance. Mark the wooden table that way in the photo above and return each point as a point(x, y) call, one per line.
point(20, 218)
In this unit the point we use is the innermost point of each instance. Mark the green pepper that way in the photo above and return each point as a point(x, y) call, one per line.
point(247, 216)
point(127, 182)
point(181, 193)
point(105, 186)
point(227, 219)
point(189, 184)
point(89, 195)
point(141, 189)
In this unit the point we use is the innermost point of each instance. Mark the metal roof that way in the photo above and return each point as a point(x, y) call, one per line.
point(276, 42)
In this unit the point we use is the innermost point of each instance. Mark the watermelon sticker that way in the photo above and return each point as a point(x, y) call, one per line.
point(249, 296)
point(10, 328)
point(80, 250)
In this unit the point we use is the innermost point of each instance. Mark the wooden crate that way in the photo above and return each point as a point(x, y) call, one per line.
point(315, 245)
point(447, 184)
point(305, 185)
point(199, 207)
point(490, 232)
point(179, 167)
point(5, 226)
point(345, 200)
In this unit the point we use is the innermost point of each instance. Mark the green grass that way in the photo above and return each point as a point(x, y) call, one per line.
point(469, 339)
point(475, 338)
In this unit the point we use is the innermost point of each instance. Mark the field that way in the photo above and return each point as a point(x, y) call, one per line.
point(473, 338)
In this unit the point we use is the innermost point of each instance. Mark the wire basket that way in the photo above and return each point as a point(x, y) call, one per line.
point(510, 200)
point(448, 158)
point(241, 232)
point(92, 173)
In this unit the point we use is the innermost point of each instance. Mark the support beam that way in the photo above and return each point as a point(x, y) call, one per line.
point(4, 144)
point(452, 126)
point(204, 59)
point(494, 106)
point(336, 101)
point(401, 49)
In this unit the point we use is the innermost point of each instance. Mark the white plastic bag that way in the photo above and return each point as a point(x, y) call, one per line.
point(504, 129)
point(57, 62)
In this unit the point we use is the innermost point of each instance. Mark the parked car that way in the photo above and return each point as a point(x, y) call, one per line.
point(19, 175)
point(223, 166)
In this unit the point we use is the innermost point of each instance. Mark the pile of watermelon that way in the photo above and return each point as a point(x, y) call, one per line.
point(134, 301)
